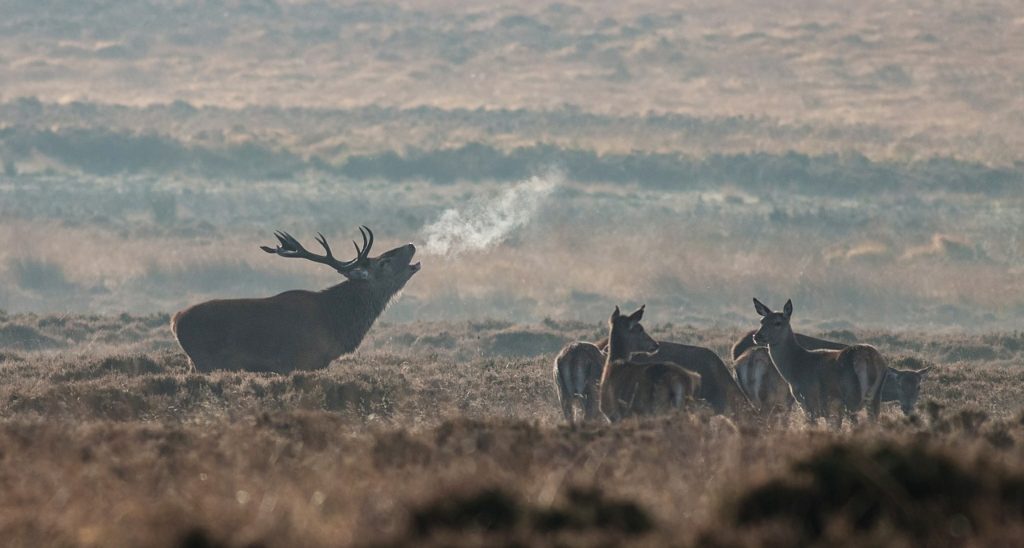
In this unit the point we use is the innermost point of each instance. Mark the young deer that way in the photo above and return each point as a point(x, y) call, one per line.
point(762, 383)
point(577, 373)
point(851, 377)
point(628, 388)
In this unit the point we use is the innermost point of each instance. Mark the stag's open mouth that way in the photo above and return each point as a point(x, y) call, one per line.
point(415, 267)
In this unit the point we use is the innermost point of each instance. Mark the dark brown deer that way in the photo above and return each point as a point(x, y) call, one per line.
point(901, 385)
point(850, 378)
point(296, 330)
point(628, 388)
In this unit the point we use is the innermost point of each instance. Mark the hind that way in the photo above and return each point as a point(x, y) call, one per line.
point(862, 371)
point(577, 374)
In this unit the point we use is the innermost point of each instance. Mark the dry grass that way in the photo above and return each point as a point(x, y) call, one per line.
point(109, 440)
point(864, 160)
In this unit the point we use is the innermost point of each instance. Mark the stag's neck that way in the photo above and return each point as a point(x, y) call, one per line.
point(353, 307)
point(789, 357)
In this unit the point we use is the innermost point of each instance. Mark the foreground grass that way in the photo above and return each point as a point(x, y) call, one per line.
point(449, 433)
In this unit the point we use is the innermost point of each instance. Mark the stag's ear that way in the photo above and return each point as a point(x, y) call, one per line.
point(638, 314)
point(357, 274)
point(787, 310)
point(616, 313)
point(761, 309)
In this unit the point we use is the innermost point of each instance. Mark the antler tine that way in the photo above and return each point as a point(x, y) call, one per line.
point(366, 244)
point(291, 248)
point(362, 250)
point(323, 242)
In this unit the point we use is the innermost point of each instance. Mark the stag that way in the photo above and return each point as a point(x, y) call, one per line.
point(296, 330)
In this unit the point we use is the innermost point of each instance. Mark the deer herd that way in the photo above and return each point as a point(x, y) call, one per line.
point(631, 374)
point(624, 375)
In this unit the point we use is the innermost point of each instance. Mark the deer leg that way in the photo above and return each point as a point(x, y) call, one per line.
point(565, 395)
point(875, 403)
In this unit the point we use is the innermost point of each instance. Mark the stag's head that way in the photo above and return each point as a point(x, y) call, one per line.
point(628, 335)
point(775, 326)
point(392, 268)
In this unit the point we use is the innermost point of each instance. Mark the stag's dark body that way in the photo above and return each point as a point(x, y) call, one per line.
point(295, 330)
point(257, 335)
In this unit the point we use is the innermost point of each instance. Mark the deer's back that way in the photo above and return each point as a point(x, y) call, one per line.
point(746, 342)
point(718, 387)
point(651, 388)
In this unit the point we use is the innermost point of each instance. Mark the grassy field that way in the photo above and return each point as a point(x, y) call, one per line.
point(108, 439)
point(864, 160)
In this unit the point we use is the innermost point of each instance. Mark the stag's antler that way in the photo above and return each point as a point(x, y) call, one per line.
point(291, 248)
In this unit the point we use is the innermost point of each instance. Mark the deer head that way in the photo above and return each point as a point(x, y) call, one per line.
point(908, 387)
point(775, 328)
point(627, 336)
point(391, 268)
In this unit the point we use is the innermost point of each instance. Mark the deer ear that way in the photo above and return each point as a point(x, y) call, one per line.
point(761, 309)
point(357, 274)
point(616, 313)
point(787, 310)
point(638, 314)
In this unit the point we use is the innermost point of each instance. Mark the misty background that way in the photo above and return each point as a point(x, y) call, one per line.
point(550, 160)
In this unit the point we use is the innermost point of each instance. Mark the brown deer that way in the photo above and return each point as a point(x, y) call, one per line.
point(851, 378)
point(577, 373)
point(296, 330)
point(811, 343)
point(717, 385)
point(901, 385)
point(762, 383)
point(628, 388)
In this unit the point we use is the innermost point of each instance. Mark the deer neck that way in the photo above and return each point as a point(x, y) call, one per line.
point(353, 307)
point(617, 347)
point(789, 357)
